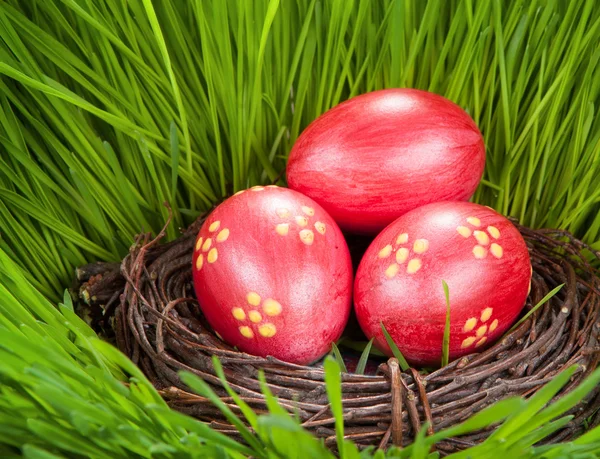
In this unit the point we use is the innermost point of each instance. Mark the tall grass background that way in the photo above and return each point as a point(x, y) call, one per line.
point(110, 108)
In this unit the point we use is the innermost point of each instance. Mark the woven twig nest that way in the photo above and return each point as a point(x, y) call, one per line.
point(158, 324)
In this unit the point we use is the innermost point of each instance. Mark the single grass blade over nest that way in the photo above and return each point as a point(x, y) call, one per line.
point(158, 324)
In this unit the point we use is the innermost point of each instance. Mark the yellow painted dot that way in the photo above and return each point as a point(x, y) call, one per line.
point(320, 227)
point(481, 331)
point(474, 221)
point(486, 314)
point(238, 313)
point(253, 298)
point(402, 255)
point(212, 255)
point(392, 270)
point(494, 232)
point(301, 221)
point(199, 262)
point(493, 325)
point(199, 243)
point(206, 244)
point(496, 250)
point(481, 341)
point(283, 212)
point(421, 246)
point(272, 307)
point(479, 252)
point(223, 235)
point(257, 188)
point(413, 266)
point(255, 316)
point(308, 210)
point(467, 342)
point(463, 231)
point(470, 324)
point(246, 331)
point(267, 330)
point(214, 226)
point(402, 239)
point(481, 237)
point(385, 252)
point(282, 229)
point(307, 236)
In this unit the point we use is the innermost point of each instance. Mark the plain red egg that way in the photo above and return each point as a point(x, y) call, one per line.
point(375, 157)
point(273, 275)
point(477, 251)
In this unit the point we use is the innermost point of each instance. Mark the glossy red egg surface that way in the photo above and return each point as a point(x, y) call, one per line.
point(375, 157)
point(272, 274)
point(478, 252)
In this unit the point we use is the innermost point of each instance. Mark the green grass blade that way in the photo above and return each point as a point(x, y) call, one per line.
point(446, 339)
point(401, 360)
point(520, 421)
point(333, 383)
point(244, 407)
point(364, 358)
point(338, 357)
point(543, 301)
point(201, 388)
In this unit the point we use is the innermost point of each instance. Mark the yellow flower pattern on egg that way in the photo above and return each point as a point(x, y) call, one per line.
point(269, 307)
point(207, 246)
point(301, 221)
point(403, 255)
point(481, 331)
point(483, 237)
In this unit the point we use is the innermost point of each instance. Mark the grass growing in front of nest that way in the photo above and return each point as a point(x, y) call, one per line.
point(62, 395)
point(108, 109)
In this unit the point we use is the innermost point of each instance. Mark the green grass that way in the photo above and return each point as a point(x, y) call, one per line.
point(540, 303)
point(62, 394)
point(446, 338)
point(394, 348)
point(108, 109)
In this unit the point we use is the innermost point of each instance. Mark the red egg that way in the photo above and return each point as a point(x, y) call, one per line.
point(478, 252)
point(377, 156)
point(273, 275)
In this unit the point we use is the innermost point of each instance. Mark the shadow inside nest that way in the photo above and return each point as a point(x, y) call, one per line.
point(146, 305)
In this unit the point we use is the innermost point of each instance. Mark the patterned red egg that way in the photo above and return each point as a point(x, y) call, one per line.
point(478, 252)
point(377, 156)
point(273, 275)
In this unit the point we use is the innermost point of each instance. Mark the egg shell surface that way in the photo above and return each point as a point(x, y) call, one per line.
point(478, 252)
point(272, 274)
point(376, 156)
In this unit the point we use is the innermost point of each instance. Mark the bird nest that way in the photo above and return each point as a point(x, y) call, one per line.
point(147, 305)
